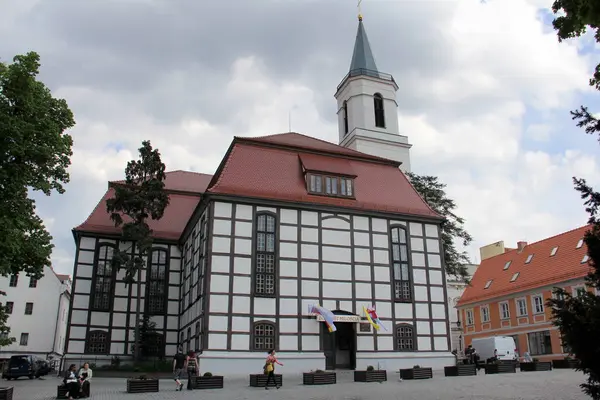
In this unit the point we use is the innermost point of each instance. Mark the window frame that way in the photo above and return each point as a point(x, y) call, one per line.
point(504, 316)
point(538, 335)
point(469, 321)
point(12, 306)
point(106, 341)
point(31, 310)
point(322, 178)
point(401, 299)
point(524, 300)
point(253, 336)
point(345, 116)
point(202, 250)
point(256, 252)
point(15, 278)
point(575, 288)
point(32, 282)
point(150, 281)
point(412, 337)
point(481, 313)
point(534, 308)
point(111, 290)
point(26, 336)
point(379, 110)
point(197, 336)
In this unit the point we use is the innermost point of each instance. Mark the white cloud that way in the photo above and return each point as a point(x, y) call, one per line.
point(472, 134)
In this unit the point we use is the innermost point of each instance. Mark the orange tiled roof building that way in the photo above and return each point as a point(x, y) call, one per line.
point(508, 292)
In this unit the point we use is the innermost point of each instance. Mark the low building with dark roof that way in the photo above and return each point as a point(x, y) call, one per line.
point(509, 290)
point(286, 221)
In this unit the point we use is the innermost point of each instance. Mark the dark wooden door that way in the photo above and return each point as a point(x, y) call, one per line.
point(328, 346)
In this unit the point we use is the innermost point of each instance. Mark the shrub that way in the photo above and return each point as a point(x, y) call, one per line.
point(370, 368)
point(416, 366)
point(319, 371)
point(208, 374)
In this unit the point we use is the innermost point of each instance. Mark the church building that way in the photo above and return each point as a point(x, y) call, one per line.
point(286, 221)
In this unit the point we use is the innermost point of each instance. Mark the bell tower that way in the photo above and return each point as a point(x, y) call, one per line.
point(367, 107)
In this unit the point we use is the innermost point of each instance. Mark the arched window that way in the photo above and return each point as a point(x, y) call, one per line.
point(103, 278)
point(264, 270)
point(379, 111)
point(198, 336)
point(402, 282)
point(157, 282)
point(188, 342)
point(345, 117)
point(97, 342)
point(404, 337)
point(263, 338)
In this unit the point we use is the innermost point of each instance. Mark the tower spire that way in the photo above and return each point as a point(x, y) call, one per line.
point(362, 57)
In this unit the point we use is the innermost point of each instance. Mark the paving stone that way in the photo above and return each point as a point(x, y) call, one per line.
point(554, 385)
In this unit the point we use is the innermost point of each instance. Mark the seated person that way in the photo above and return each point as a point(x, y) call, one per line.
point(85, 376)
point(71, 382)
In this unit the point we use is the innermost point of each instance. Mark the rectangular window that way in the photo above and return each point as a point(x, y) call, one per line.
point(538, 304)
point(504, 310)
point(402, 281)
point(156, 281)
point(578, 291)
point(470, 319)
point(264, 277)
point(488, 284)
point(529, 258)
point(103, 278)
point(32, 282)
point(330, 185)
point(579, 244)
point(28, 308)
point(24, 339)
point(485, 314)
point(507, 265)
point(8, 308)
point(14, 279)
point(553, 252)
point(521, 307)
point(539, 343)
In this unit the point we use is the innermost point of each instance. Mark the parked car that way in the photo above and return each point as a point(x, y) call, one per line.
point(23, 365)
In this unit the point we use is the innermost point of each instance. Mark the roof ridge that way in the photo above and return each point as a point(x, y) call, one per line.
point(95, 208)
point(225, 167)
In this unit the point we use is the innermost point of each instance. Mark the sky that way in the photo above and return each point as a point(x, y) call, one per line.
point(485, 93)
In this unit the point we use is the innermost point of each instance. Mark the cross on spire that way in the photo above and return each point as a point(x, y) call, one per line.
point(359, 10)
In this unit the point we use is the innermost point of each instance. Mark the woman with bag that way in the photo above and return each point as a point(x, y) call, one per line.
point(192, 369)
point(270, 369)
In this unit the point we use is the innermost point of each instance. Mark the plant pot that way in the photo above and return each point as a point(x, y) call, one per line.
point(259, 380)
point(565, 364)
point(6, 393)
point(416, 373)
point(535, 366)
point(207, 382)
point(370, 376)
point(319, 378)
point(501, 368)
point(461, 370)
point(142, 385)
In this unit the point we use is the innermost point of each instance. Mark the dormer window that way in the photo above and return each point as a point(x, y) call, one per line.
point(331, 185)
point(553, 252)
point(507, 265)
point(488, 284)
point(529, 258)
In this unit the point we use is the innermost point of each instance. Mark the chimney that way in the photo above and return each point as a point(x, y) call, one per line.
point(521, 245)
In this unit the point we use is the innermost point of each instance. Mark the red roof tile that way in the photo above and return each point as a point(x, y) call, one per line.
point(316, 163)
point(542, 270)
point(184, 181)
point(169, 227)
point(300, 141)
point(276, 173)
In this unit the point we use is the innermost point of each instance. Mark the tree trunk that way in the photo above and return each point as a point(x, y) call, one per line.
point(136, 349)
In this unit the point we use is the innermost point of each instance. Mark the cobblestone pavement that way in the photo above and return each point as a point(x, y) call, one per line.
point(554, 385)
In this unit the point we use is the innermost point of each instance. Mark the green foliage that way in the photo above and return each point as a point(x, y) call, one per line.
point(578, 318)
point(208, 374)
point(140, 197)
point(35, 153)
point(452, 229)
point(150, 341)
point(370, 368)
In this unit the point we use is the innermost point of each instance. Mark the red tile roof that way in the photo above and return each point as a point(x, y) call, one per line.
point(184, 181)
point(277, 174)
point(169, 227)
point(542, 270)
point(316, 163)
point(270, 167)
point(300, 141)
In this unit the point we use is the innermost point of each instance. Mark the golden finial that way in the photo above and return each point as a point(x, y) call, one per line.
point(360, 17)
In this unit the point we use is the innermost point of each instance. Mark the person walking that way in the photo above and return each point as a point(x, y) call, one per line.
point(192, 369)
point(270, 369)
point(179, 361)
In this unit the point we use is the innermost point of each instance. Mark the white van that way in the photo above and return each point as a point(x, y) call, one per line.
point(507, 350)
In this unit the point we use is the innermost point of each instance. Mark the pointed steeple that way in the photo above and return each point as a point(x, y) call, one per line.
point(362, 58)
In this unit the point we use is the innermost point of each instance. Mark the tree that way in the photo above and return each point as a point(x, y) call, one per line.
point(150, 341)
point(35, 153)
point(452, 229)
point(140, 197)
point(578, 318)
